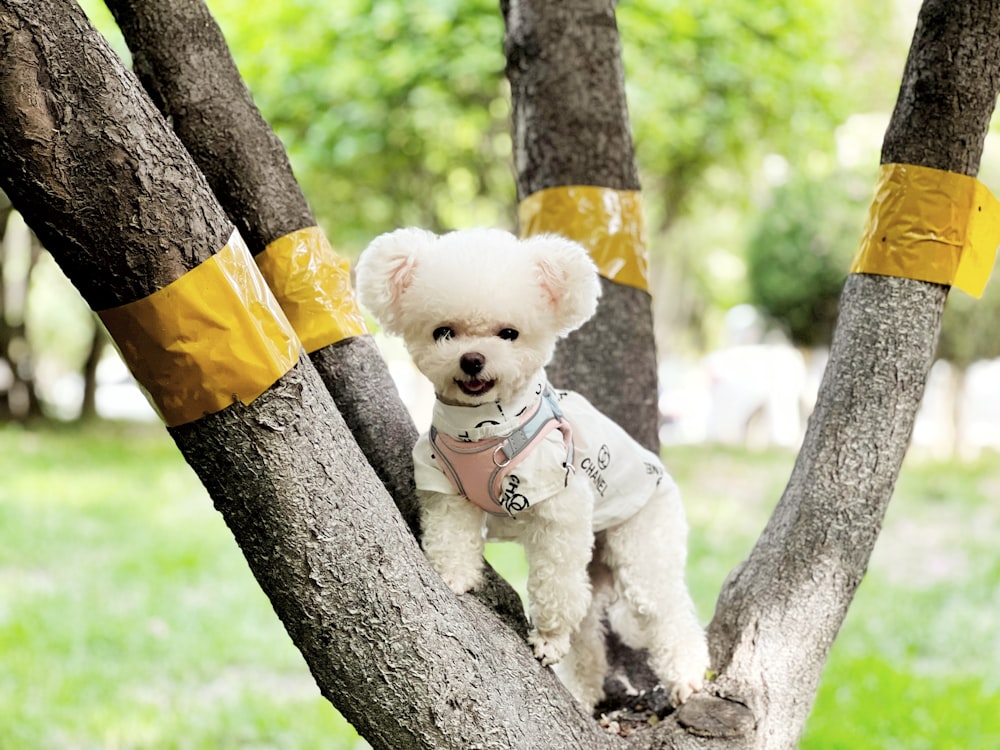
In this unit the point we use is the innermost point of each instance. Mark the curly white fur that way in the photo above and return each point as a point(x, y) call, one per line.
point(480, 313)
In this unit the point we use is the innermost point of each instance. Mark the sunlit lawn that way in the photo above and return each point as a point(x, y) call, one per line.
point(129, 619)
point(917, 663)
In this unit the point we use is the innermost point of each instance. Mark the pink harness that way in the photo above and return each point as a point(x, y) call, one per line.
point(477, 469)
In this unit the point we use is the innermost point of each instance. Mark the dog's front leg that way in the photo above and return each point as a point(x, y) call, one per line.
point(558, 544)
point(453, 539)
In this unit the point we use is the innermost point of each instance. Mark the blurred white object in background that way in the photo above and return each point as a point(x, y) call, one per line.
point(756, 394)
point(752, 391)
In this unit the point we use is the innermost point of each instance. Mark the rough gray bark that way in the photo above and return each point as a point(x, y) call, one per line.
point(86, 158)
point(570, 127)
point(141, 215)
point(183, 61)
point(779, 612)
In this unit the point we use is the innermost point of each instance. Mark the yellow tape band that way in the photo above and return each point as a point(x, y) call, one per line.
point(209, 338)
point(930, 225)
point(607, 222)
point(313, 286)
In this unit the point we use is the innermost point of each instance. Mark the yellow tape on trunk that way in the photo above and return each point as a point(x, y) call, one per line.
point(313, 286)
point(930, 225)
point(607, 222)
point(214, 336)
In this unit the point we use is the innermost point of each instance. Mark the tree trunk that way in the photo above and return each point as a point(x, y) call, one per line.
point(183, 61)
point(779, 612)
point(6, 209)
point(19, 398)
point(88, 405)
point(570, 127)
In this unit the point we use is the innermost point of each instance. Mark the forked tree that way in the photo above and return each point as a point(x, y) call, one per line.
point(126, 212)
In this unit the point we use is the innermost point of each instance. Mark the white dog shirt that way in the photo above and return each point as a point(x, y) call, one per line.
point(622, 473)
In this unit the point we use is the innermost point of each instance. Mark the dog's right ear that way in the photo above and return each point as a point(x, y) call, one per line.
point(385, 271)
point(567, 278)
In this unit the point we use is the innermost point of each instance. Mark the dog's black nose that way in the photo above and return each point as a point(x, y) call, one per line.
point(472, 363)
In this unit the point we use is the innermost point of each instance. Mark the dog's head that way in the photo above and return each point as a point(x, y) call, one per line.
point(480, 311)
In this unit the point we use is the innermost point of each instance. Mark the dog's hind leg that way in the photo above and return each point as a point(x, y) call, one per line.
point(654, 610)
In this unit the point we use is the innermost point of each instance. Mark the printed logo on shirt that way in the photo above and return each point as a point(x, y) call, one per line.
point(654, 470)
point(513, 500)
point(593, 469)
point(603, 458)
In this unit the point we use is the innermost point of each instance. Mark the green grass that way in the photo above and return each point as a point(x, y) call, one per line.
point(917, 662)
point(128, 616)
point(129, 619)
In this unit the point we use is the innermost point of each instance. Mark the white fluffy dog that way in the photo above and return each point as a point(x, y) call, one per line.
point(507, 457)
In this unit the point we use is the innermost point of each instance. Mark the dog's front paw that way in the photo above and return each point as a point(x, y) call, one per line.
point(549, 648)
point(462, 581)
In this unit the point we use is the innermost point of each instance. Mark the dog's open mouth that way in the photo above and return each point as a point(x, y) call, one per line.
point(475, 386)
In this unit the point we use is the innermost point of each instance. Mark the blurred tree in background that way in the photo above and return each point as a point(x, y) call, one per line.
point(18, 397)
point(801, 247)
point(39, 341)
point(397, 113)
point(800, 250)
point(393, 113)
point(969, 328)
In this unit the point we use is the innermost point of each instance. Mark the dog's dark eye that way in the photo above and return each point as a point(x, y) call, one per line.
point(443, 332)
point(508, 334)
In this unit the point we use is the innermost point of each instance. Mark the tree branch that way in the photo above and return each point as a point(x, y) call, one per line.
point(779, 612)
point(570, 127)
point(184, 63)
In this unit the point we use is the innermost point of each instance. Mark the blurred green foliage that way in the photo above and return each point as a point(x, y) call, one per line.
point(393, 113)
point(799, 253)
point(396, 113)
point(713, 87)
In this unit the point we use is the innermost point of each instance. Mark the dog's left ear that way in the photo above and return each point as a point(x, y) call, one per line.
point(568, 279)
